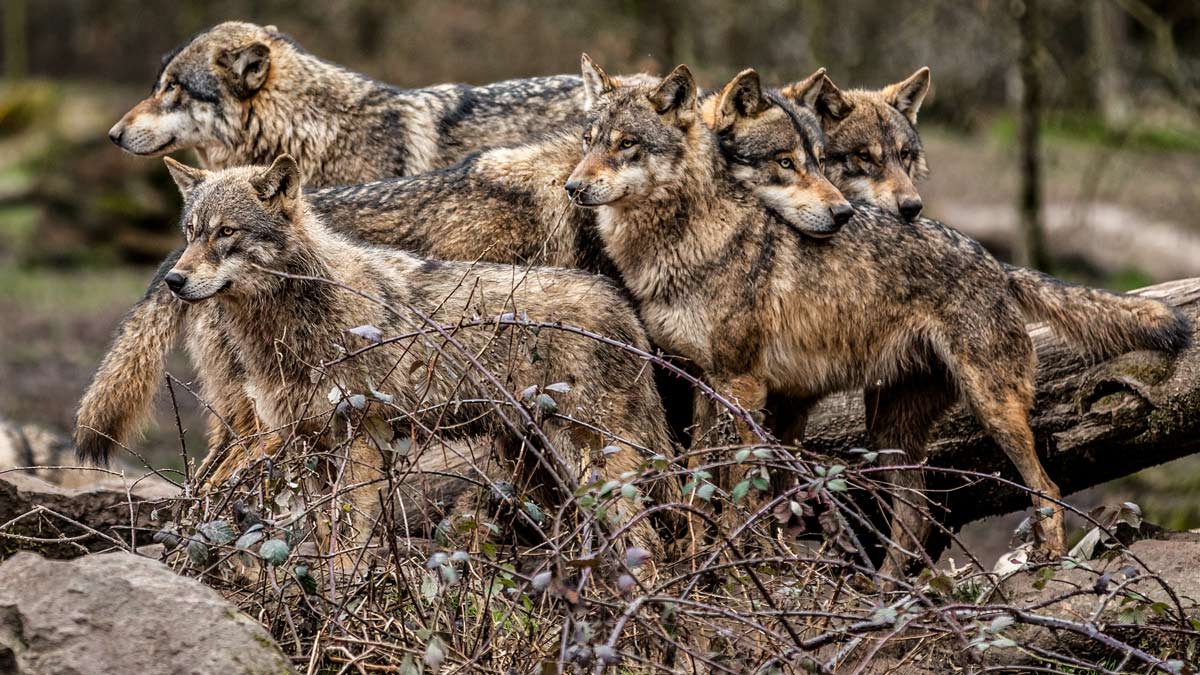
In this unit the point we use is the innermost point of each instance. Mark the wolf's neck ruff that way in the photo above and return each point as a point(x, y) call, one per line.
point(638, 235)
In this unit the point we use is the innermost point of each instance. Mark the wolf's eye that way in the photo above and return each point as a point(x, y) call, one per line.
point(786, 163)
point(628, 143)
point(226, 231)
point(587, 138)
point(904, 154)
point(864, 155)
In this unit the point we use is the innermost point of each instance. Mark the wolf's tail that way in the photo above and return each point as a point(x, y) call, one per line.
point(122, 390)
point(1100, 322)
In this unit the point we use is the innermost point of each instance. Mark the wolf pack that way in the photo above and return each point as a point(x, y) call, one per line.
point(542, 262)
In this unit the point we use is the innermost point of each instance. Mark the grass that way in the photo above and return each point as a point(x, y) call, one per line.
point(75, 291)
point(1082, 127)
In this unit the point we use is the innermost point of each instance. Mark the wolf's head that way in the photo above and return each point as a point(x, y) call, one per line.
point(874, 152)
point(199, 95)
point(638, 140)
point(777, 150)
point(234, 221)
point(635, 137)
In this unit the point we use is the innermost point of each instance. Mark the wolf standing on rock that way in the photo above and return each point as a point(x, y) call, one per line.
point(916, 314)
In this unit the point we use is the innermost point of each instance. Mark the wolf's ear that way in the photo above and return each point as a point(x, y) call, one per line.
point(818, 93)
point(906, 96)
point(742, 97)
point(806, 92)
point(596, 82)
point(676, 93)
point(186, 177)
point(279, 186)
point(246, 68)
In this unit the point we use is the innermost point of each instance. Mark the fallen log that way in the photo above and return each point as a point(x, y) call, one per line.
point(1093, 422)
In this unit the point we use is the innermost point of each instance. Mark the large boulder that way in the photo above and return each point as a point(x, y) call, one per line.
point(122, 613)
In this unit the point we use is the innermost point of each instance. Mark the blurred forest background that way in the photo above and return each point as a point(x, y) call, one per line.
point(1105, 94)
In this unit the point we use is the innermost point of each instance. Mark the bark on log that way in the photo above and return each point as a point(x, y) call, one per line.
point(1094, 422)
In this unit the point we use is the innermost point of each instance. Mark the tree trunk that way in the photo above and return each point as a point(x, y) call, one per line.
point(15, 47)
point(1033, 247)
point(1094, 422)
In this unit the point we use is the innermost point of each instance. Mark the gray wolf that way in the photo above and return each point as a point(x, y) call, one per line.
point(255, 249)
point(917, 315)
point(239, 93)
point(873, 151)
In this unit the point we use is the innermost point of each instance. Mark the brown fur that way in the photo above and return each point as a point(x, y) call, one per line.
point(240, 223)
point(915, 314)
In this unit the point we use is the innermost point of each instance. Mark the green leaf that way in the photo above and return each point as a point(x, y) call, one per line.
point(836, 485)
point(705, 491)
point(435, 654)
point(608, 487)
point(197, 551)
point(252, 537)
point(307, 581)
point(559, 387)
point(275, 551)
point(546, 404)
point(219, 532)
point(740, 490)
point(742, 455)
point(629, 491)
point(535, 513)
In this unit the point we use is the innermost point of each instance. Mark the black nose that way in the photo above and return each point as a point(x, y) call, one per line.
point(573, 187)
point(842, 213)
point(115, 135)
point(175, 281)
point(911, 208)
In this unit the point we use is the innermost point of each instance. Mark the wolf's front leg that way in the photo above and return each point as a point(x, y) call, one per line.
point(345, 528)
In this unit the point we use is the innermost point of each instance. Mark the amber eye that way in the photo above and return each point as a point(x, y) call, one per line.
point(587, 137)
point(904, 153)
point(786, 163)
point(864, 155)
point(227, 231)
point(628, 143)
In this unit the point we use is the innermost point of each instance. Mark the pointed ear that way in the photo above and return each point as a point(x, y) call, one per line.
point(246, 68)
point(806, 92)
point(279, 186)
point(596, 82)
point(907, 96)
point(186, 177)
point(742, 97)
point(819, 93)
point(676, 93)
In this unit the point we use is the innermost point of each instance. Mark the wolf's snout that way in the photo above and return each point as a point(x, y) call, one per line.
point(574, 187)
point(116, 133)
point(842, 213)
point(911, 208)
point(175, 281)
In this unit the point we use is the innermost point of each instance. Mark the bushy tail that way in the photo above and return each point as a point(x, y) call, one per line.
point(1100, 322)
point(122, 390)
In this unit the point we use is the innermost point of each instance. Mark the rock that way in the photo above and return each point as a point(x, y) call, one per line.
point(122, 613)
point(103, 506)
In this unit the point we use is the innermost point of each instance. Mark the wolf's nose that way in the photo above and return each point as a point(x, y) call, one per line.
point(175, 281)
point(573, 187)
point(911, 208)
point(841, 213)
point(115, 133)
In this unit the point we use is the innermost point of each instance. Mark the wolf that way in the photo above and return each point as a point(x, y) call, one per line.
point(239, 94)
point(442, 350)
point(917, 315)
point(503, 205)
point(873, 151)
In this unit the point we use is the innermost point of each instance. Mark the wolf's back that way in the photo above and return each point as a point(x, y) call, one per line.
point(1100, 322)
point(122, 390)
